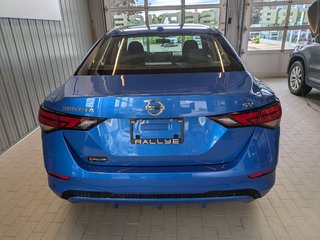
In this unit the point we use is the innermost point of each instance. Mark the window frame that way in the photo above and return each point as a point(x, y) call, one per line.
point(285, 28)
point(146, 9)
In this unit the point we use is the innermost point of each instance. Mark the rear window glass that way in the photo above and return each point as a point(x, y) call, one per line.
point(160, 54)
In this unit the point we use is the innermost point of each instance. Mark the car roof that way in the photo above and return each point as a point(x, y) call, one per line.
point(163, 29)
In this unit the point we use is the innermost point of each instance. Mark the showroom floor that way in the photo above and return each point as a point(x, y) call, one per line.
point(29, 210)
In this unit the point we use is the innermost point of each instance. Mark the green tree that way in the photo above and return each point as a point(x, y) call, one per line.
point(123, 3)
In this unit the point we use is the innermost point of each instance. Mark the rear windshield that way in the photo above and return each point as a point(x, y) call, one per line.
point(160, 54)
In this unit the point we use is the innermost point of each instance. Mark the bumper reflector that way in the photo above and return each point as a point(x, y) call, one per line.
point(260, 174)
point(58, 175)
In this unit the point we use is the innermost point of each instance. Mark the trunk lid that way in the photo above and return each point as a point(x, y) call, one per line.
point(188, 98)
point(184, 95)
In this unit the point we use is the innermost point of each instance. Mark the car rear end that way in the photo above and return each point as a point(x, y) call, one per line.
point(161, 125)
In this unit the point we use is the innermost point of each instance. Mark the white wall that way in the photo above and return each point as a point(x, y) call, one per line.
point(267, 64)
point(30, 9)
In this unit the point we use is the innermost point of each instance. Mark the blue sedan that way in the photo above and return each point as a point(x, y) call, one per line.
point(144, 121)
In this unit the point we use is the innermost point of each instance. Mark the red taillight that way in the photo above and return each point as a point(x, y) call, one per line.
point(268, 116)
point(260, 174)
point(51, 121)
point(271, 115)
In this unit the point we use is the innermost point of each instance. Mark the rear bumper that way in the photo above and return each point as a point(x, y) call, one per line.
point(162, 187)
point(142, 186)
point(208, 195)
point(245, 195)
point(162, 201)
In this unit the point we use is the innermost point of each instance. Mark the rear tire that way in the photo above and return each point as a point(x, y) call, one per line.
point(296, 80)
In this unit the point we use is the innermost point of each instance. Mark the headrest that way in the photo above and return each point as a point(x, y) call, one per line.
point(189, 46)
point(135, 47)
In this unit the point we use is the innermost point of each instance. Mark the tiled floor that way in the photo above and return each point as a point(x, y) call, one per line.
point(29, 210)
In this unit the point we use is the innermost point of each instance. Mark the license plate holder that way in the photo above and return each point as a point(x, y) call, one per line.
point(157, 131)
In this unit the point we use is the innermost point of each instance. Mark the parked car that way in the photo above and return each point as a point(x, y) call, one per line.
point(198, 40)
point(304, 64)
point(171, 42)
point(156, 127)
point(253, 35)
point(174, 41)
point(304, 69)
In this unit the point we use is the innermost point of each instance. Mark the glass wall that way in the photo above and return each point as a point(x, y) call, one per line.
point(168, 16)
point(137, 12)
point(207, 16)
point(278, 24)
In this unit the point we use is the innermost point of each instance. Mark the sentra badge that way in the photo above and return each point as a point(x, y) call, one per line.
point(77, 109)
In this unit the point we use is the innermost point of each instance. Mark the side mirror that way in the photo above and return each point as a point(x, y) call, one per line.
point(314, 18)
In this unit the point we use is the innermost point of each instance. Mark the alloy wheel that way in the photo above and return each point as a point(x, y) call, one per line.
point(296, 78)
